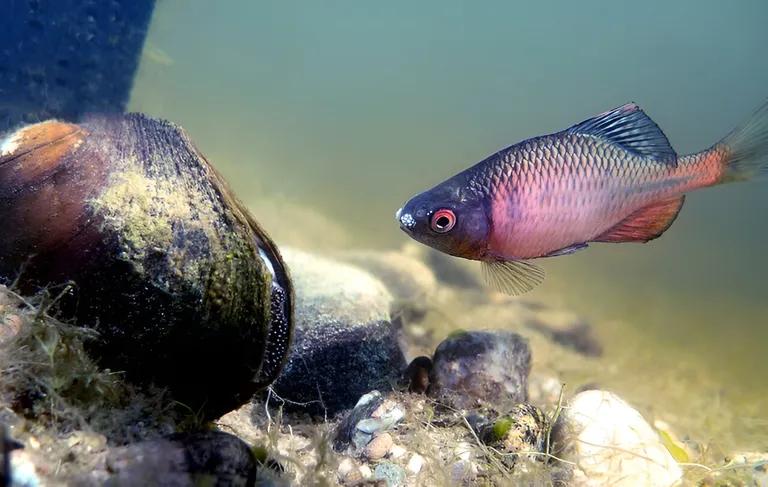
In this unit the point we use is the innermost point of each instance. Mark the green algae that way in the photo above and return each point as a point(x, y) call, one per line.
point(200, 242)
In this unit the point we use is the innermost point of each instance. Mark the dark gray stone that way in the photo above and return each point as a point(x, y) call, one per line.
point(188, 459)
point(480, 368)
point(344, 342)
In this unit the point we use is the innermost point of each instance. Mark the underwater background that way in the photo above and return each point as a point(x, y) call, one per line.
point(348, 108)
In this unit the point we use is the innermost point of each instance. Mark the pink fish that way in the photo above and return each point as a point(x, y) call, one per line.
point(612, 178)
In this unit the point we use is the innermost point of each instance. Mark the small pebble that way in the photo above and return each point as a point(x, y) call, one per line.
point(418, 374)
point(353, 477)
point(523, 428)
point(23, 471)
point(10, 327)
point(463, 471)
point(345, 466)
point(378, 447)
point(365, 471)
point(397, 451)
point(463, 450)
point(415, 464)
point(392, 474)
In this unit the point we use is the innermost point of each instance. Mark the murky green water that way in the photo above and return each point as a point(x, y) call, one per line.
point(350, 107)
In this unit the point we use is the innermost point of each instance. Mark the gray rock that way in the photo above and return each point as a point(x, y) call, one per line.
point(406, 277)
point(481, 368)
point(344, 342)
point(209, 458)
point(392, 474)
point(373, 414)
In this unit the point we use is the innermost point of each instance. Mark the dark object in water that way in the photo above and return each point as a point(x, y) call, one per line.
point(61, 59)
point(184, 287)
point(201, 458)
point(418, 374)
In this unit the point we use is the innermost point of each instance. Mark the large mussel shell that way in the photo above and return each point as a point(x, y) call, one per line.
point(183, 286)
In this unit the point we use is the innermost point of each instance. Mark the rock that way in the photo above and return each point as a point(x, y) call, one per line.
point(348, 472)
point(481, 367)
point(544, 390)
point(523, 429)
point(397, 451)
point(406, 278)
point(372, 415)
point(378, 447)
point(612, 444)
point(10, 326)
point(463, 472)
point(23, 471)
point(415, 464)
point(751, 468)
point(447, 269)
point(344, 342)
point(345, 466)
point(187, 459)
point(417, 374)
point(365, 471)
point(392, 474)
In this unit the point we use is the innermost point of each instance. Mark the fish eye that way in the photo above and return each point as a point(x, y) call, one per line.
point(443, 221)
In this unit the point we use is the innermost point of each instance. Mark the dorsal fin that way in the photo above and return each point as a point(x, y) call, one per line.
point(646, 223)
point(629, 127)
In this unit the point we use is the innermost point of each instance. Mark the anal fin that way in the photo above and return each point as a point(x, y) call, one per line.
point(646, 223)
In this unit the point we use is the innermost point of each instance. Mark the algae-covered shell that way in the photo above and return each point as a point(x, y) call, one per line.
point(183, 286)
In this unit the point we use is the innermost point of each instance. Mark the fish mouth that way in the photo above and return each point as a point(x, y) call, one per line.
point(405, 220)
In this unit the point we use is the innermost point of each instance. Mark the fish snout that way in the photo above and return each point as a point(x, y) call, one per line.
point(406, 220)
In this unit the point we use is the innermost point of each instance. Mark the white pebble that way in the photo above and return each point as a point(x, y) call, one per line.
point(345, 466)
point(366, 471)
point(415, 464)
point(397, 451)
point(614, 445)
point(463, 451)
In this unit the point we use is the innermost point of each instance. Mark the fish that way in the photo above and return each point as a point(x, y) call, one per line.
point(612, 178)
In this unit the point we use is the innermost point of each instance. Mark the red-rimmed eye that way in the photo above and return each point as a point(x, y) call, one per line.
point(443, 220)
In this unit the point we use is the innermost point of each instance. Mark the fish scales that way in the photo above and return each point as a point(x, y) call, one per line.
point(612, 178)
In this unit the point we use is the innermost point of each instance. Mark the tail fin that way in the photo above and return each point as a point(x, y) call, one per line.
point(747, 148)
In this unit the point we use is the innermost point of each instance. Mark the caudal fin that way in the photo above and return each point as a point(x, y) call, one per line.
point(747, 148)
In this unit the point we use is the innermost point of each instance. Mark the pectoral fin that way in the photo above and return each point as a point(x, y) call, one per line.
point(646, 223)
point(513, 277)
